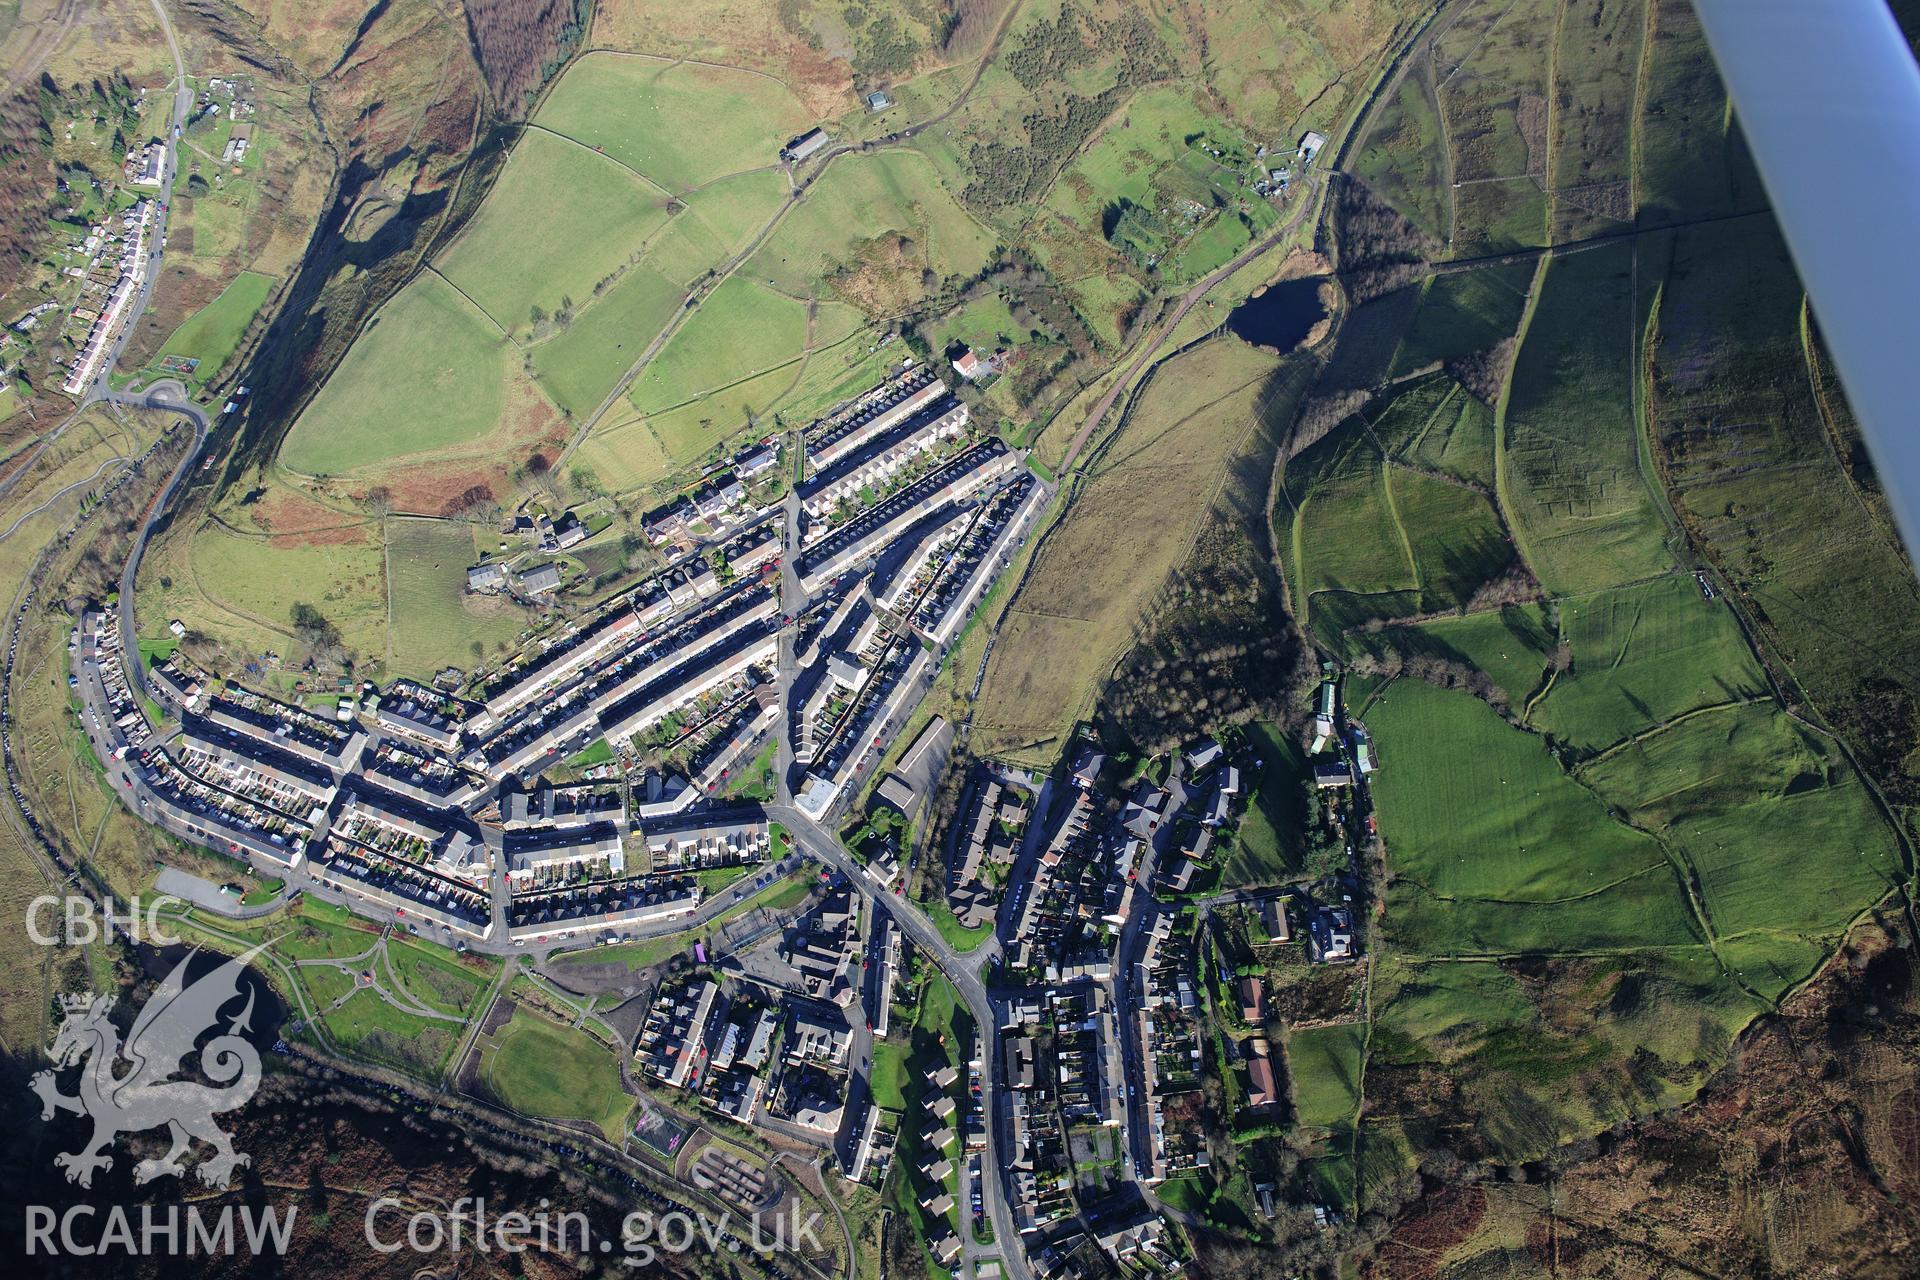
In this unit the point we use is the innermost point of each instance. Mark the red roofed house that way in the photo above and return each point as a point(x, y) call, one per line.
point(1262, 1090)
point(1253, 1001)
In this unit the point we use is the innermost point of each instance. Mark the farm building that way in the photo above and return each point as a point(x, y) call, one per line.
point(1310, 145)
point(879, 100)
point(1332, 773)
point(1323, 718)
point(804, 146)
point(539, 581)
point(1362, 749)
point(237, 143)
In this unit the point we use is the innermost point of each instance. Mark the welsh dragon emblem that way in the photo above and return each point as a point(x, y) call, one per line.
point(130, 1088)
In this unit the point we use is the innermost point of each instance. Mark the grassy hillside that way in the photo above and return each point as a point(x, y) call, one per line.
point(1094, 573)
point(1623, 809)
point(385, 401)
point(557, 227)
point(1641, 656)
point(680, 124)
point(1582, 507)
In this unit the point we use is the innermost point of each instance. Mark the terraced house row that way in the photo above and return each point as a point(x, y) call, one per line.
point(579, 790)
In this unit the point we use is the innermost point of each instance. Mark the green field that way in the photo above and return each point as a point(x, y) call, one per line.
point(682, 125)
point(1435, 425)
point(1404, 163)
point(721, 220)
point(1495, 97)
point(1324, 1066)
point(834, 374)
point(599, 752)
point(1122, 163)
point(211, 333)
point(578, 366)
point(321, 931)
point(1511, 645)
point(1646, 908)
point(1097, 569)
point(1642, 655)
point(1268, 844)
point(540, 1068)
point(327, 986)
point(1590, 151)
point(716, 420)
point(1779, 829)
point(941, 1035)
point(742, 329)
point(1442, 1011)
point(1106, 301)
point(435, 623)
point(856, 201)
point(364, 1025)
point(1155, 156)
point(1458, 440)
point(1572, 479)
point(1766, 469)
point(367, 1026)
point(430, 374)
point(1463, 312)
point(1401, 416)
point(625, 455)
point(1454, 533)
point(889, 1074)
point(559, 224)
point(436, 979)
point(1372, 538)
point(1370, 336)
point(1495, 849)
point(394, 588)
point(709, 417)
point(1272, 63)
point(252, 585)
point(1345, 529)
point(1538, 1063)
point(1696, 165)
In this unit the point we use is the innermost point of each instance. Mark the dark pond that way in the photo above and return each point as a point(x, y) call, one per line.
point(1282, 316)
point(263, 1020)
